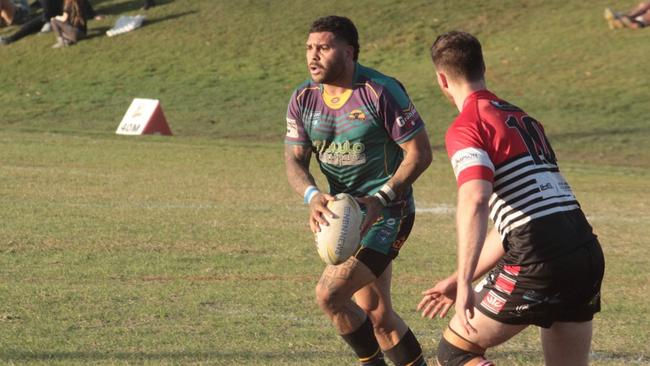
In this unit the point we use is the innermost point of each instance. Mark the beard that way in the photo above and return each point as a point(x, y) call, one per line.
point(330, 72)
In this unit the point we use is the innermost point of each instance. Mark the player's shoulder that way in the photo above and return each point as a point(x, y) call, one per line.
point(303, 89)
point(381, 83)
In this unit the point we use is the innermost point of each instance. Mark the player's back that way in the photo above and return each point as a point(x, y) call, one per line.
point(532, 202)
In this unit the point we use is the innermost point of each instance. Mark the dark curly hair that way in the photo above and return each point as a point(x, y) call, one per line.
point(341, 27)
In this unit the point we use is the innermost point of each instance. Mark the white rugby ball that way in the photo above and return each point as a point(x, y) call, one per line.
point(342, 237)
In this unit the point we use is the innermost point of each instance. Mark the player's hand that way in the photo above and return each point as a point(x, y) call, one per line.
point(318, 211)
point(465, 307)
point(373, 209)
point(438, 299)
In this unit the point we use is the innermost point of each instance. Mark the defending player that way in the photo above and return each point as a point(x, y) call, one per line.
point(370, 142)
point(545, 263)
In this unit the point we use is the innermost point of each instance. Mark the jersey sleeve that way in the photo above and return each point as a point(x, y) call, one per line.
point(401, 120)
point(296, 134)
point(468, 152)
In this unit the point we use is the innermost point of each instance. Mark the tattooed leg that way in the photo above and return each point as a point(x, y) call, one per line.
point(334, 293)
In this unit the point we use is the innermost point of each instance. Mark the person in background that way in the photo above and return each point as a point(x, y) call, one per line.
point(148, 4)
point(70, 26)
point(50, 9)
point(13, 12)
point(639, 17)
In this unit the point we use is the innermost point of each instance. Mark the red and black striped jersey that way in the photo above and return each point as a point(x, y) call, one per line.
point(496, 141)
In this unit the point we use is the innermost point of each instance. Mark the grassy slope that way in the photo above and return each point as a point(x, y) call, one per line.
point(172, 251)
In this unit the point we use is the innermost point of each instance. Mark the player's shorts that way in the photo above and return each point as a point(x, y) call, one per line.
point(565, 289)
point(386, 236)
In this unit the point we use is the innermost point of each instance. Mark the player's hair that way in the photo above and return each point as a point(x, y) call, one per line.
point(460, 55)
point(341, 27)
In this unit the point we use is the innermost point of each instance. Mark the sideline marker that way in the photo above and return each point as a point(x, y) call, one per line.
point(144, 117)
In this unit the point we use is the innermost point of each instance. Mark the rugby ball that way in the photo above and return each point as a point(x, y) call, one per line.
point(342, 237)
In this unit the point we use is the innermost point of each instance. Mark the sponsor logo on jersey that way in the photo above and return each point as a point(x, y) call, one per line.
point(357, 115)
point(505, 106)
point(493, 302)
point(468, 157)
point(521, 308)
point(505, 284)
point(340, 153)
point(408, 117)
point(312, 118)
point(292, 128)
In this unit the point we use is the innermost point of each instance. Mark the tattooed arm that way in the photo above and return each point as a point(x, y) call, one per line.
point(297, 159)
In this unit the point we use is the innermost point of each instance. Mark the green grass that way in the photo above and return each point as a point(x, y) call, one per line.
point(193, 250)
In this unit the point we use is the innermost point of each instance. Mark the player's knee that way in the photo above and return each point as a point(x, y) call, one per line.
point(328, 299)
point(453, 350)
point(382, 320)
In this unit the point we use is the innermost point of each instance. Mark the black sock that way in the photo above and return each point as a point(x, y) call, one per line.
point(364, 344)
point(407, 351)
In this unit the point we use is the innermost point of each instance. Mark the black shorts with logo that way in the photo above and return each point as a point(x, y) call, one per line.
point(564, 289)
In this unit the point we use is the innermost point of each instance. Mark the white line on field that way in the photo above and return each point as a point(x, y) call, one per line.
point(437, 209)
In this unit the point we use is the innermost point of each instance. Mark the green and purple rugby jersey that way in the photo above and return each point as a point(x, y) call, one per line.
point(356, 142)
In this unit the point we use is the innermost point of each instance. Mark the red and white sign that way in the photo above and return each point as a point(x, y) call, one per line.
point(144, 117)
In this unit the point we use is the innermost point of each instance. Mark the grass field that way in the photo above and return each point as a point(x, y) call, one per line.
point(192, 249)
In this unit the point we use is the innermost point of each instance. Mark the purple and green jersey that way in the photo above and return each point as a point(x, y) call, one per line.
point(356, 142)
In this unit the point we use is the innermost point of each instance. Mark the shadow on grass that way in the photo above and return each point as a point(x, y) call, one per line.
point(124, 7)
point(14, 356)
point(95, 32)
point(169, 17)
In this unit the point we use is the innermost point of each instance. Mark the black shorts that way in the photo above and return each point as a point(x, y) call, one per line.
point(565, 289)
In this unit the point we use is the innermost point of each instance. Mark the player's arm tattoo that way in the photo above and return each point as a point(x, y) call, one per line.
point(297, 159)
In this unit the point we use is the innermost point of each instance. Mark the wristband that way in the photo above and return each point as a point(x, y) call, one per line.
point(310, 192)
point(385, 194)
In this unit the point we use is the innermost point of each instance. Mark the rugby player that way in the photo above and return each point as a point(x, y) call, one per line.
point(545, 264)
point(370, 142)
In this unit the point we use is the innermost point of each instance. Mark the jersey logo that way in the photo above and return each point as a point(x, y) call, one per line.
point(292, 128)
point(357, 115)
point(493, 302)
point(505, 284)
point(340, 153)
point(505, 106)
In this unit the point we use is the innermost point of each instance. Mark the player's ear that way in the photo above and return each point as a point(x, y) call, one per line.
point(349, 50)
point(442, 80)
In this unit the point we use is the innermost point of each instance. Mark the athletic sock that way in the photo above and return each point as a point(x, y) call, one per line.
point(407, 351)
point(364, 344)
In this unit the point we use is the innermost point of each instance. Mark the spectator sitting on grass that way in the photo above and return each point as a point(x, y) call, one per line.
point(636, 18)
point(69, 27)
point(50, 9)
point(13, 12)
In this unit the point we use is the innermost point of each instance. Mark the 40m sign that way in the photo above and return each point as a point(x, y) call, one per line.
point(144, 117)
